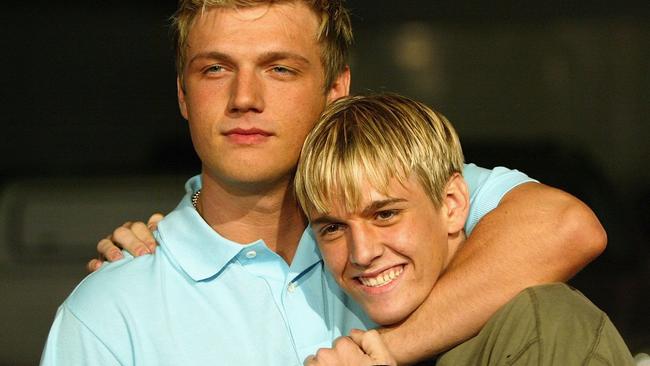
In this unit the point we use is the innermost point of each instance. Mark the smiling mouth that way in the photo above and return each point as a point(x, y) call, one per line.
point(383, 278)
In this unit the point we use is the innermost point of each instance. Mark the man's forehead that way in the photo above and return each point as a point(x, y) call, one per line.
point(274, 12)
point(265, 28)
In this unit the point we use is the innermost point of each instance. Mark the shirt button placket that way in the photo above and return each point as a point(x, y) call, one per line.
point(291, 287)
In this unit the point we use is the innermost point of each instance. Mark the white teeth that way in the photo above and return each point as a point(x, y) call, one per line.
point(382, 279)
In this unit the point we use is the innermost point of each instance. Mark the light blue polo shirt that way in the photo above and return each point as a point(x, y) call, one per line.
point(205, 300)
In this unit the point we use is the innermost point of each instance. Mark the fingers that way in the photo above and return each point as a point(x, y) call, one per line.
point(324, 357)
point(344, 352)
point(372, 344)
point(108, 250)
point(134, 237)
point(93, 265)
point(126, 236)
point(144, 235)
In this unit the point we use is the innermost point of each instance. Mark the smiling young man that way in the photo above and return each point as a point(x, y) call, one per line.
point(380, 179)
point(237, 278)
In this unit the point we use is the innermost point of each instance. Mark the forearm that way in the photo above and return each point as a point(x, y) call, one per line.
point(536, 235)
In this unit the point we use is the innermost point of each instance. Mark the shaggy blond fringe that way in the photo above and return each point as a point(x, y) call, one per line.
point(373, 139)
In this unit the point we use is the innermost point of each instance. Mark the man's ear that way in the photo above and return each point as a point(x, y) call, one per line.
point(340, 87)
point(456, 203)
point(182, 105)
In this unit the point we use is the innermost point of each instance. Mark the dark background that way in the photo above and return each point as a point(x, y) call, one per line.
point(92, 137)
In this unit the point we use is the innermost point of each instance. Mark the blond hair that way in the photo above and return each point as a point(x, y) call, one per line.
point(334, 32)
point(373, 139)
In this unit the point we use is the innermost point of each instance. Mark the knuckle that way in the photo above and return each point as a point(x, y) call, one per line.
point(372, 333)
point(120, 232)
point(103, 244)
point(141, 230)
point(139, 226)
point(342, 341)
point(321, 352)
point(124, 236)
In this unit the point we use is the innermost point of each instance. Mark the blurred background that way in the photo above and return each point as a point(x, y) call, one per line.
point(91, 134)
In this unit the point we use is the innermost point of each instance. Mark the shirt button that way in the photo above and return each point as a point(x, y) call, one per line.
point(251, 254)
point(292, 287)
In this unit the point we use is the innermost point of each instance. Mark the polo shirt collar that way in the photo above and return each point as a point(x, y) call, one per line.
point(195, 247)
point(307, 253)
point(202, 253)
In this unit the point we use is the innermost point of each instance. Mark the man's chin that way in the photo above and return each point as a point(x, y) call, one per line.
point(386, 316)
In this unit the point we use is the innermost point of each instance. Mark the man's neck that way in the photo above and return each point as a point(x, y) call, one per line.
point(455, 242)
point(245, 214)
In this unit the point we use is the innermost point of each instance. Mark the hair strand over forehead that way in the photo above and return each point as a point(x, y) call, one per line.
point(373, 139)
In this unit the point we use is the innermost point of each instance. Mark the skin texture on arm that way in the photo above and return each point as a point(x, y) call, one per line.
point(536, 235)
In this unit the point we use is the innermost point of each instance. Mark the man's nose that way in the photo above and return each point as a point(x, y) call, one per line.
point(246, 94)
point(364, 245)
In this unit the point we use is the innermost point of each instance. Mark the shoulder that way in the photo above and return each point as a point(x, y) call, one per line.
point(109, 305)
point(115, 287)
point(487, 188)
point(558, 312)
point(559, 301)
point(497, 177)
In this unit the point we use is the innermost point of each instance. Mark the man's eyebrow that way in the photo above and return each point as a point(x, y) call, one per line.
point(282, 55)
point(377, 205)
point(325, 219)
point(265, 57)
point(367, 211)
point(211, 55)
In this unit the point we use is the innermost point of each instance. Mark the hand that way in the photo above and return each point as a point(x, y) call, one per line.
point(134, 237)
point(359, 349)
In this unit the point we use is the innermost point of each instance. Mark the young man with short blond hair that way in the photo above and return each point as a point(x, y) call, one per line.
point(380, 179)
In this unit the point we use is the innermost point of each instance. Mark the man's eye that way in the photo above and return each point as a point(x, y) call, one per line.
point(331, 229)
point(214, 69)
point(281, 70)
point(386, 215)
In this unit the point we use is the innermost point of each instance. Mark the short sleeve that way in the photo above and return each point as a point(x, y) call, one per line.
point(487, 187)
point(71, 343)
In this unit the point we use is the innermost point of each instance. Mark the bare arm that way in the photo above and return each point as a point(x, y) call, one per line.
point(536, 235)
